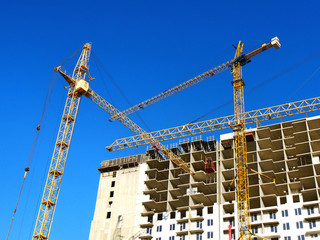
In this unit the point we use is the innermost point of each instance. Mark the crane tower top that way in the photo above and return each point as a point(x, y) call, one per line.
point(87, 46)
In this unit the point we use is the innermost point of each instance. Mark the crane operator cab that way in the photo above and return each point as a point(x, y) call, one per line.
point(82, 86)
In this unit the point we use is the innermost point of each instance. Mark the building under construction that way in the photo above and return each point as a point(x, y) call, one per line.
point(173, 201)
point(148, 197)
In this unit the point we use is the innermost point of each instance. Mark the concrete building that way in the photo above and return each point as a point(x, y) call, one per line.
point(168, 203)
point(120, 194)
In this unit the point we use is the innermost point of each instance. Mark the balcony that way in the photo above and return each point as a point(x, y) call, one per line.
point(196, 227)
point(145, 234)
point(312, 231)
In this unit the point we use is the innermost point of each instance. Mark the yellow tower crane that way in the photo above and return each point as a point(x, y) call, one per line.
point(238, 127)
point(60, 153)
point(240, 141)
point(78, 86)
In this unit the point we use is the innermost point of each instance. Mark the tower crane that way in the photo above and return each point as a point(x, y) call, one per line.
point(238, 128)
point(78, 86)
point(241, 59)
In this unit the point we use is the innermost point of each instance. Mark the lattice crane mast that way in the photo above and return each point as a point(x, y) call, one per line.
point(60, 153)
point(242, 59)
point(241, 143)
point(241, 148)
point(78, 86)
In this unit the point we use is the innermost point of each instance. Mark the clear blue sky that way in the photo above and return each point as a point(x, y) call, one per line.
point(148, 47)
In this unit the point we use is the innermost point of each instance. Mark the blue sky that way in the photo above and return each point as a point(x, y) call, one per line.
point(147, 47)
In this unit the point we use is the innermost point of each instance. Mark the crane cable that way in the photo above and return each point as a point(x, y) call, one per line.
point(95, 58)
point(303, 83)
point(15, 210)
point(296, 65)
point(103, 81)
point(36, 135)
point(71, 56)
point(34, 143)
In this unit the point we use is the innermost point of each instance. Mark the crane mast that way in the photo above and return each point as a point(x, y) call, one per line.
point(240, 136)
point(241, 149)
point(60, 153)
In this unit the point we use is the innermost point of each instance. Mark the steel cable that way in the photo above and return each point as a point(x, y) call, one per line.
point(34, 144)
point(119, 89)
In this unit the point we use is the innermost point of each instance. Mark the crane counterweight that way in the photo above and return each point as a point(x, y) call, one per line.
point(275, 42)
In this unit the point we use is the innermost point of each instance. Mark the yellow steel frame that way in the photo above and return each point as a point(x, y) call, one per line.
point(265, 114)
point(147, 137)
point(51, 190)
point(53, 183)
point(193, 81)
point(60, 153)
point(177, 88)
point(238, 127)
point(241, 150)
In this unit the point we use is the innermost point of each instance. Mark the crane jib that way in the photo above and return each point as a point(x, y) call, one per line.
point(244, 59)
point(255, 116)
point(178, 88)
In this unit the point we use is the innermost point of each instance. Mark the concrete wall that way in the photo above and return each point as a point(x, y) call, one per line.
point(117, 216)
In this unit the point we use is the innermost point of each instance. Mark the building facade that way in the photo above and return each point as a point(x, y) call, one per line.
point(120, 194)
point(171, 204)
